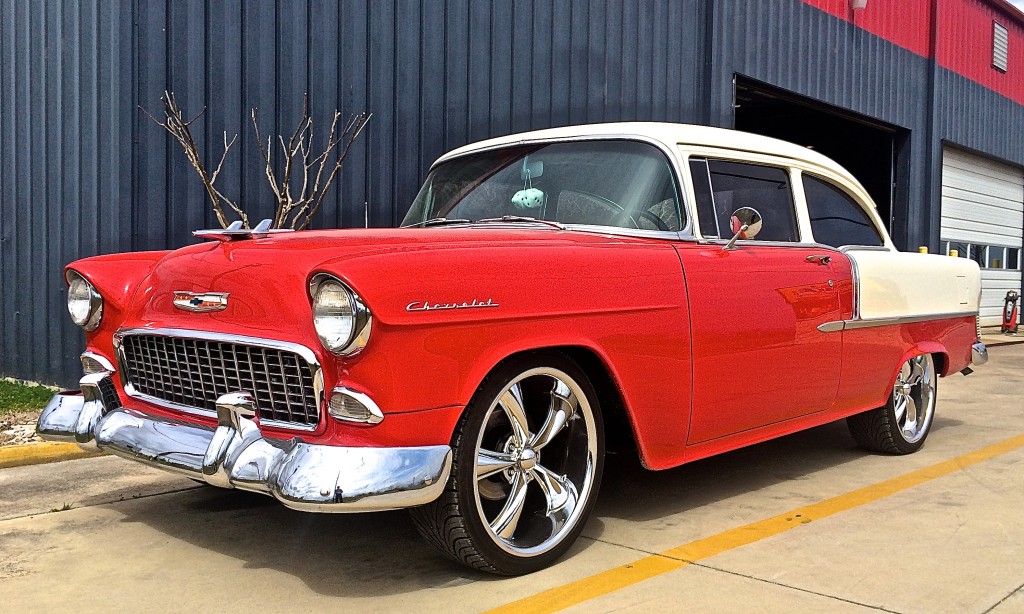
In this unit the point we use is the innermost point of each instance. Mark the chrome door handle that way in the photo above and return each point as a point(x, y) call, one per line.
point(819, 259)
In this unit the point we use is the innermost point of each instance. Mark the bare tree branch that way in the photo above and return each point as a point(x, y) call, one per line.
point(177, 126)
point(295, 206)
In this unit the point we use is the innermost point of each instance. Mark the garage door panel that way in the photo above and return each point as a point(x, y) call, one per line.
point(980, 197)
point(997, 222)
point(954, 159)
point(972, 163)
point(995, 285)
point(998, 196)
point(970, 232)
point(983, 203)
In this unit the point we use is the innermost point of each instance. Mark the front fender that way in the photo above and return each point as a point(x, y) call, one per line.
point(627, 306)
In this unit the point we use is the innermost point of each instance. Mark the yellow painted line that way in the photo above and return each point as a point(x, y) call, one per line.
point(43, 452)
point(574, 593)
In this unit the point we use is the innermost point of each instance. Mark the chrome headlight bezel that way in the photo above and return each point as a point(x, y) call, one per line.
point(361, 318)
point(94, 309)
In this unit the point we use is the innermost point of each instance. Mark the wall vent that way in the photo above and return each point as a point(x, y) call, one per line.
point(1000, 45)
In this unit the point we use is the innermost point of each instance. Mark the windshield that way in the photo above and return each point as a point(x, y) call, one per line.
point(626, 184)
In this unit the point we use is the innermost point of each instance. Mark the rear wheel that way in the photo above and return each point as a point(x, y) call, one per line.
point(527, 463)
point(902, 424)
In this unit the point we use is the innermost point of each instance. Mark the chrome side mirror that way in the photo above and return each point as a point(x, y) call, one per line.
point(745, 223)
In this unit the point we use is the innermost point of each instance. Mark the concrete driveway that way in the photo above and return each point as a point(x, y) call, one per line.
point(804, 523)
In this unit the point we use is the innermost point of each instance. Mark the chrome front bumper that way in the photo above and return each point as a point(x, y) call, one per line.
point(235, 454)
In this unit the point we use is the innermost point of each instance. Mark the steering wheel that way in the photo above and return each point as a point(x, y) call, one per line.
point(621, 214)
point(654, 219)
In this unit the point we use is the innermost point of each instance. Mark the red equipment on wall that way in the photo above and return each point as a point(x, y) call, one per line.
point(1011, 312)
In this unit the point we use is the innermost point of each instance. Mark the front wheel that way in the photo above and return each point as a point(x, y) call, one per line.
point(902, 424)
point(527, 463)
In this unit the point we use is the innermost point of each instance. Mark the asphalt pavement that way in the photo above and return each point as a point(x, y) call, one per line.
point(808, 522)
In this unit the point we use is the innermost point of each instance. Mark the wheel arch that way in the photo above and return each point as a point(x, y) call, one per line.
point(620, 430)
point(939, 355)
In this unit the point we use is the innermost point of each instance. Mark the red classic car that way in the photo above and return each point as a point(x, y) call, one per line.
point(547, 292)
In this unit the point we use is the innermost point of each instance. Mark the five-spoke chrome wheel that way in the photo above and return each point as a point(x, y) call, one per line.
point(527, 465)
point(539, 435)
point(903, 423)
point(913, 398)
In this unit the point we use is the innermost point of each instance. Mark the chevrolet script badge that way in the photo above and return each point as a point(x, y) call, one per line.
point(201, 301)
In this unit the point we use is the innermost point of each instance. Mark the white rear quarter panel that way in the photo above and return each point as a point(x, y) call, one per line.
point(900, 284)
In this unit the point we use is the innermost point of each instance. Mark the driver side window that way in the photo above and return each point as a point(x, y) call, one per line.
point(723, 186)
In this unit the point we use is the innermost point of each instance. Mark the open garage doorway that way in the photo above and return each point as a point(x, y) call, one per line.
point(867, 148)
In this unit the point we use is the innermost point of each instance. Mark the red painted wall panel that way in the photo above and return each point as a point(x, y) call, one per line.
point(963, 29)
point(965, 45)
point(905, 23)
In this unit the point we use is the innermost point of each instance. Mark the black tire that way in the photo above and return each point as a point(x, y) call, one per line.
point(884, 429)
point(455, 522)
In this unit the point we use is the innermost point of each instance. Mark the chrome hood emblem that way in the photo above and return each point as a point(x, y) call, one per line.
point(201, 301)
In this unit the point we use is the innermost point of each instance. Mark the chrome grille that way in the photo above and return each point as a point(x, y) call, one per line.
point(195, 372)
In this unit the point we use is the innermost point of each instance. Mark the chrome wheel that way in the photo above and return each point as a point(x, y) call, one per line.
point(913, 398)
point(535, 461)
point(902, 424)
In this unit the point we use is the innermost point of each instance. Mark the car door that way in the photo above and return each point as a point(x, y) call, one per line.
point(758, 356)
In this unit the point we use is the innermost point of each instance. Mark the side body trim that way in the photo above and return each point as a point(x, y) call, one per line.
point(831, 327)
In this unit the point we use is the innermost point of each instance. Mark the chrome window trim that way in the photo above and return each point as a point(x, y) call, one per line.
point(871, 212)
point(669, 153)
point(853, 324)
point(769, 159)
point(855, 272)
point(863, 248)
point(301, 350)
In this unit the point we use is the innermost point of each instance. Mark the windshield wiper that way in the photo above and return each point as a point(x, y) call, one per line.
point(521, 218)
point(438, 221)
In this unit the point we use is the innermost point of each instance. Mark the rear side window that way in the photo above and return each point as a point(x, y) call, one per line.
point(836, 218)
point(722, 187)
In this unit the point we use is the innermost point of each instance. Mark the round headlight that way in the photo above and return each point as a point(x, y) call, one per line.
point(84, 303)
point(341, 320)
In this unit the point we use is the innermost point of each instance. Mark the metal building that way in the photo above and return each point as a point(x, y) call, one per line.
point(922, 99)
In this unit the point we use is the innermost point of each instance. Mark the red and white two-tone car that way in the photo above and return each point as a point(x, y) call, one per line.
point(549, 290)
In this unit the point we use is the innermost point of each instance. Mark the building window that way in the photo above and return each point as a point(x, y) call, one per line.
point(996, 257)
point(1000, 46)
point(978, 254)
point(991, 257)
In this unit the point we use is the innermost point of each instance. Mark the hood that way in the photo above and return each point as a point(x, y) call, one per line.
point(401, 274)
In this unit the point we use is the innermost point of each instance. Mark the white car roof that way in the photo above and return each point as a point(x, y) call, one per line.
point(665, 133)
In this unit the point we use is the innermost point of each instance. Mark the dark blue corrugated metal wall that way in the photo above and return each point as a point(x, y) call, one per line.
point(83, 172)
point(65, 160)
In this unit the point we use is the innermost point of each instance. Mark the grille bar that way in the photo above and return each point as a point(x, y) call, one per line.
point(194, 372)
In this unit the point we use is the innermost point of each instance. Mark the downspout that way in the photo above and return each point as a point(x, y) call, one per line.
point(932, 213)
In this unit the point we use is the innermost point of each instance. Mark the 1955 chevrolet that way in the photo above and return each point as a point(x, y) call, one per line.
point(548, 291)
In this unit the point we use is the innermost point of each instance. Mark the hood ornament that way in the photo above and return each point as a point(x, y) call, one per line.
point(198, 302)
point(235, 231)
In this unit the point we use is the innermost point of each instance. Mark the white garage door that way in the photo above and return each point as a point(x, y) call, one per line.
point(982, 218)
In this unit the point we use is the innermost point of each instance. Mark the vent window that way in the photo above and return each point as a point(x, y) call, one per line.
point(1000, 46)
